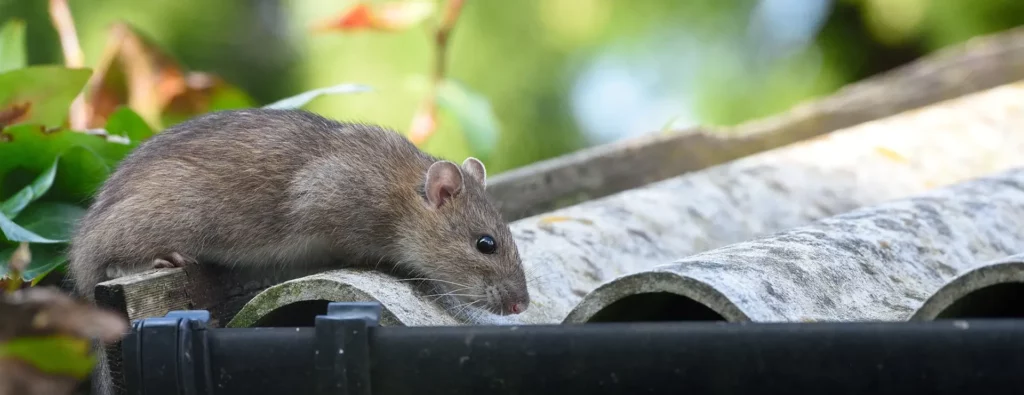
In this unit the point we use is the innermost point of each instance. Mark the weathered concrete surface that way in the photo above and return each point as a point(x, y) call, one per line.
point(402, 305)
point(875, 263)
point(1007, 273)
point(572, 251)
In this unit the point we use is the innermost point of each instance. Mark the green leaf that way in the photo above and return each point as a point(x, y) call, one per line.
point(38, 279)
point(43, 222)
point(55, 220)
point(12, 206)
point(45, 93)
point(52, 220)
point(475, 116)
point(83, 170)
point(126, 122)
point(45, 259)
point(302, 99)
point(59, 355)
point(59, 266)
point(85, 160)
point(12, 45)
point(15, 232)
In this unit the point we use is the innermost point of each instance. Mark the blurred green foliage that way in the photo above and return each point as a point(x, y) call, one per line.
point(525, 56)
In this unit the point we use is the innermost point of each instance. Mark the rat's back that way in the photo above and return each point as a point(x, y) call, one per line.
point(215, 186)
point(274, 141)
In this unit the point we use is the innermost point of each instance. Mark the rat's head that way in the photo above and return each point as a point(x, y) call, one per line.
point(466, 247)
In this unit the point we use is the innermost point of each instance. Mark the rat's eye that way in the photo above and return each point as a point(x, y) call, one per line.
point(486, 244)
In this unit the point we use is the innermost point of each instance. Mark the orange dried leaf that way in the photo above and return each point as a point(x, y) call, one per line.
point(195, 98)
point(132, 71)
point(398, 15)
point(358, 17)
point(135, 72)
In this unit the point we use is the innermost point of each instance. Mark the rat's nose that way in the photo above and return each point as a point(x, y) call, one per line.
point(516, 305)
point(515, 298)
point(517, 308)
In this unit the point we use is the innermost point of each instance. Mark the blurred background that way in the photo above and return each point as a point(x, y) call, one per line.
point(560, 74)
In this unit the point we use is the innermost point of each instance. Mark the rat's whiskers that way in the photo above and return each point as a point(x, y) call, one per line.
point(437, 296)
point(461, 308)
point(436, 280)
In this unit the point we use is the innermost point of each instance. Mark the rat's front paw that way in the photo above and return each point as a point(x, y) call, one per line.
point(172, 260)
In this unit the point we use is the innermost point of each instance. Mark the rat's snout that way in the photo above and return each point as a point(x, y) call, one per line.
point(518, 307)
point(514, 299)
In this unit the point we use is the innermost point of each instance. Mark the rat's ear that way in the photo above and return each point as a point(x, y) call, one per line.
point(444, 181)
point(476, 169)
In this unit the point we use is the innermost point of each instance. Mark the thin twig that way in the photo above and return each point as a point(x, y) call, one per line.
point(451, 15)
point(60, 14)
point(428, 109)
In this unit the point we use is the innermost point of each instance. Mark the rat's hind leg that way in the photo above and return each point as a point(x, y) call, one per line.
point(172, 260)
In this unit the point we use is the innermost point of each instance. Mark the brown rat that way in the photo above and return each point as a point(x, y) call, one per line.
point(265, 189)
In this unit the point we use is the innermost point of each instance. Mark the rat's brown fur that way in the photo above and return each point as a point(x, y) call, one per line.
point(261, 188)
